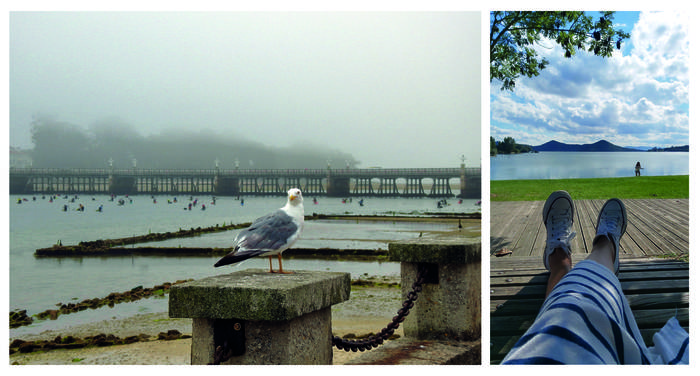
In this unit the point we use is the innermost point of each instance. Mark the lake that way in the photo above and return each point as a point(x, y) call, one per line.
point(570, 165)
point(37, 284)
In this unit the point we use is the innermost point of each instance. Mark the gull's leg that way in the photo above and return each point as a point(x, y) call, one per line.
point(279, 257)
point(270, 258)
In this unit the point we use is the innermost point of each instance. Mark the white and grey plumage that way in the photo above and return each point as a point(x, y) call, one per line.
point(270, 235)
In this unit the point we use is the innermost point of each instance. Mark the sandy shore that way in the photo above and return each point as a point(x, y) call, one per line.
point(368, 310)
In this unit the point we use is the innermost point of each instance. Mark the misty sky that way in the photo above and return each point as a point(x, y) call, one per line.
point(639, 97)
point(392, 89)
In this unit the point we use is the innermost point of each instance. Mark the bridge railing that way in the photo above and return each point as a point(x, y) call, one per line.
point(333, 182)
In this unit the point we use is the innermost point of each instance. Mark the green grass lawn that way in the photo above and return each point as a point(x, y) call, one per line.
point(675, 186)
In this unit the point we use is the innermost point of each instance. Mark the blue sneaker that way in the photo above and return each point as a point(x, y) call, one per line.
point(612, 223)
point(558, 216)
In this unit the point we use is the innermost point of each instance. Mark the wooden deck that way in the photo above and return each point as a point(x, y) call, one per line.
point(656, 288)
point(654, 227)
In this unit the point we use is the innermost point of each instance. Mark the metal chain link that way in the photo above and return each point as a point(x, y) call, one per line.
point(221, 354)
point(375, 340)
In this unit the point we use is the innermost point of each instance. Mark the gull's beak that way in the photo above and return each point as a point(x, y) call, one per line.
point(292, 197)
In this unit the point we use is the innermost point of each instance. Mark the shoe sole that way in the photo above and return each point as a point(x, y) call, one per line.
point(545, 213)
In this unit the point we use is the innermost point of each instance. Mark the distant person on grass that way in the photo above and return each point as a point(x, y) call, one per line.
point(585, 318)
point(638, 169)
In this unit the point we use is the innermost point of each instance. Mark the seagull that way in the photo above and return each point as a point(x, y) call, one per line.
point(270, 235)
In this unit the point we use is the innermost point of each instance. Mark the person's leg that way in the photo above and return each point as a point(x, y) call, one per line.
point(559, 265)
point(603, 252)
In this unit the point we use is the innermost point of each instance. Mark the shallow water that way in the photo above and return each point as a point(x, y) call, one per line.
point(37, 284)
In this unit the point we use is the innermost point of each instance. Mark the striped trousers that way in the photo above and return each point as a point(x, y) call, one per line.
point(587, 320)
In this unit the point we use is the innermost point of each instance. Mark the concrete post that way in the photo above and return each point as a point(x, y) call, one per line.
point(122, 184)
point(226, 186)
point(264, 318)
point(449, 306)
point(19, 185)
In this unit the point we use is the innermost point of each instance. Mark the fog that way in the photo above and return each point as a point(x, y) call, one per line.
point(388, 89)
point(65, 145)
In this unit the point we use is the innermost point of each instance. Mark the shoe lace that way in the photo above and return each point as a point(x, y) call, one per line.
point(561, 231)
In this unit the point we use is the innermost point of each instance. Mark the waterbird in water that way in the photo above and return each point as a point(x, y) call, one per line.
point(270, 235)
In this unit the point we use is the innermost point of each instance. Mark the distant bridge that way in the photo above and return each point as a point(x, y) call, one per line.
point(377, 182)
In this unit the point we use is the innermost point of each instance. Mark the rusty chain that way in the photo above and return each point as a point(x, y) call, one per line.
point(221, 354)
point(375, 340)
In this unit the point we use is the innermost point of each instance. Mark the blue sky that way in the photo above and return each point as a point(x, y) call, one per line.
point(639, 97)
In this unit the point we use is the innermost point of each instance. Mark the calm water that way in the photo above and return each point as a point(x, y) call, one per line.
point(565, 165)
point(37, 284)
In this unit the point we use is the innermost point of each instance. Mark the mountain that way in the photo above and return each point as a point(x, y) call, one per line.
point(601, 145)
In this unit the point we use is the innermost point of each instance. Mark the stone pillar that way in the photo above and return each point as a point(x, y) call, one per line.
point(226, 186)
point(449, 306)
point(122, 185)
point(470, 187)
point(19, 185)
point(264, 318)
point(338, 186)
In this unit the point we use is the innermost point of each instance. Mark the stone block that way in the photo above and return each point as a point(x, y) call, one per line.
point(267, 318)
point(449, 305)
point(452, 250)
point(255, 294)
point(304, 340)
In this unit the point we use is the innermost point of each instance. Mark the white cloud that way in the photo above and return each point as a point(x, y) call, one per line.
point(661, 41)
point(628, 99)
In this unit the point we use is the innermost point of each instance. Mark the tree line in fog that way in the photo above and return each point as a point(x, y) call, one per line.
point(64, 145)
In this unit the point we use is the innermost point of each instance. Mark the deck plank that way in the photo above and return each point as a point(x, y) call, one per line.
point(655, 226)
